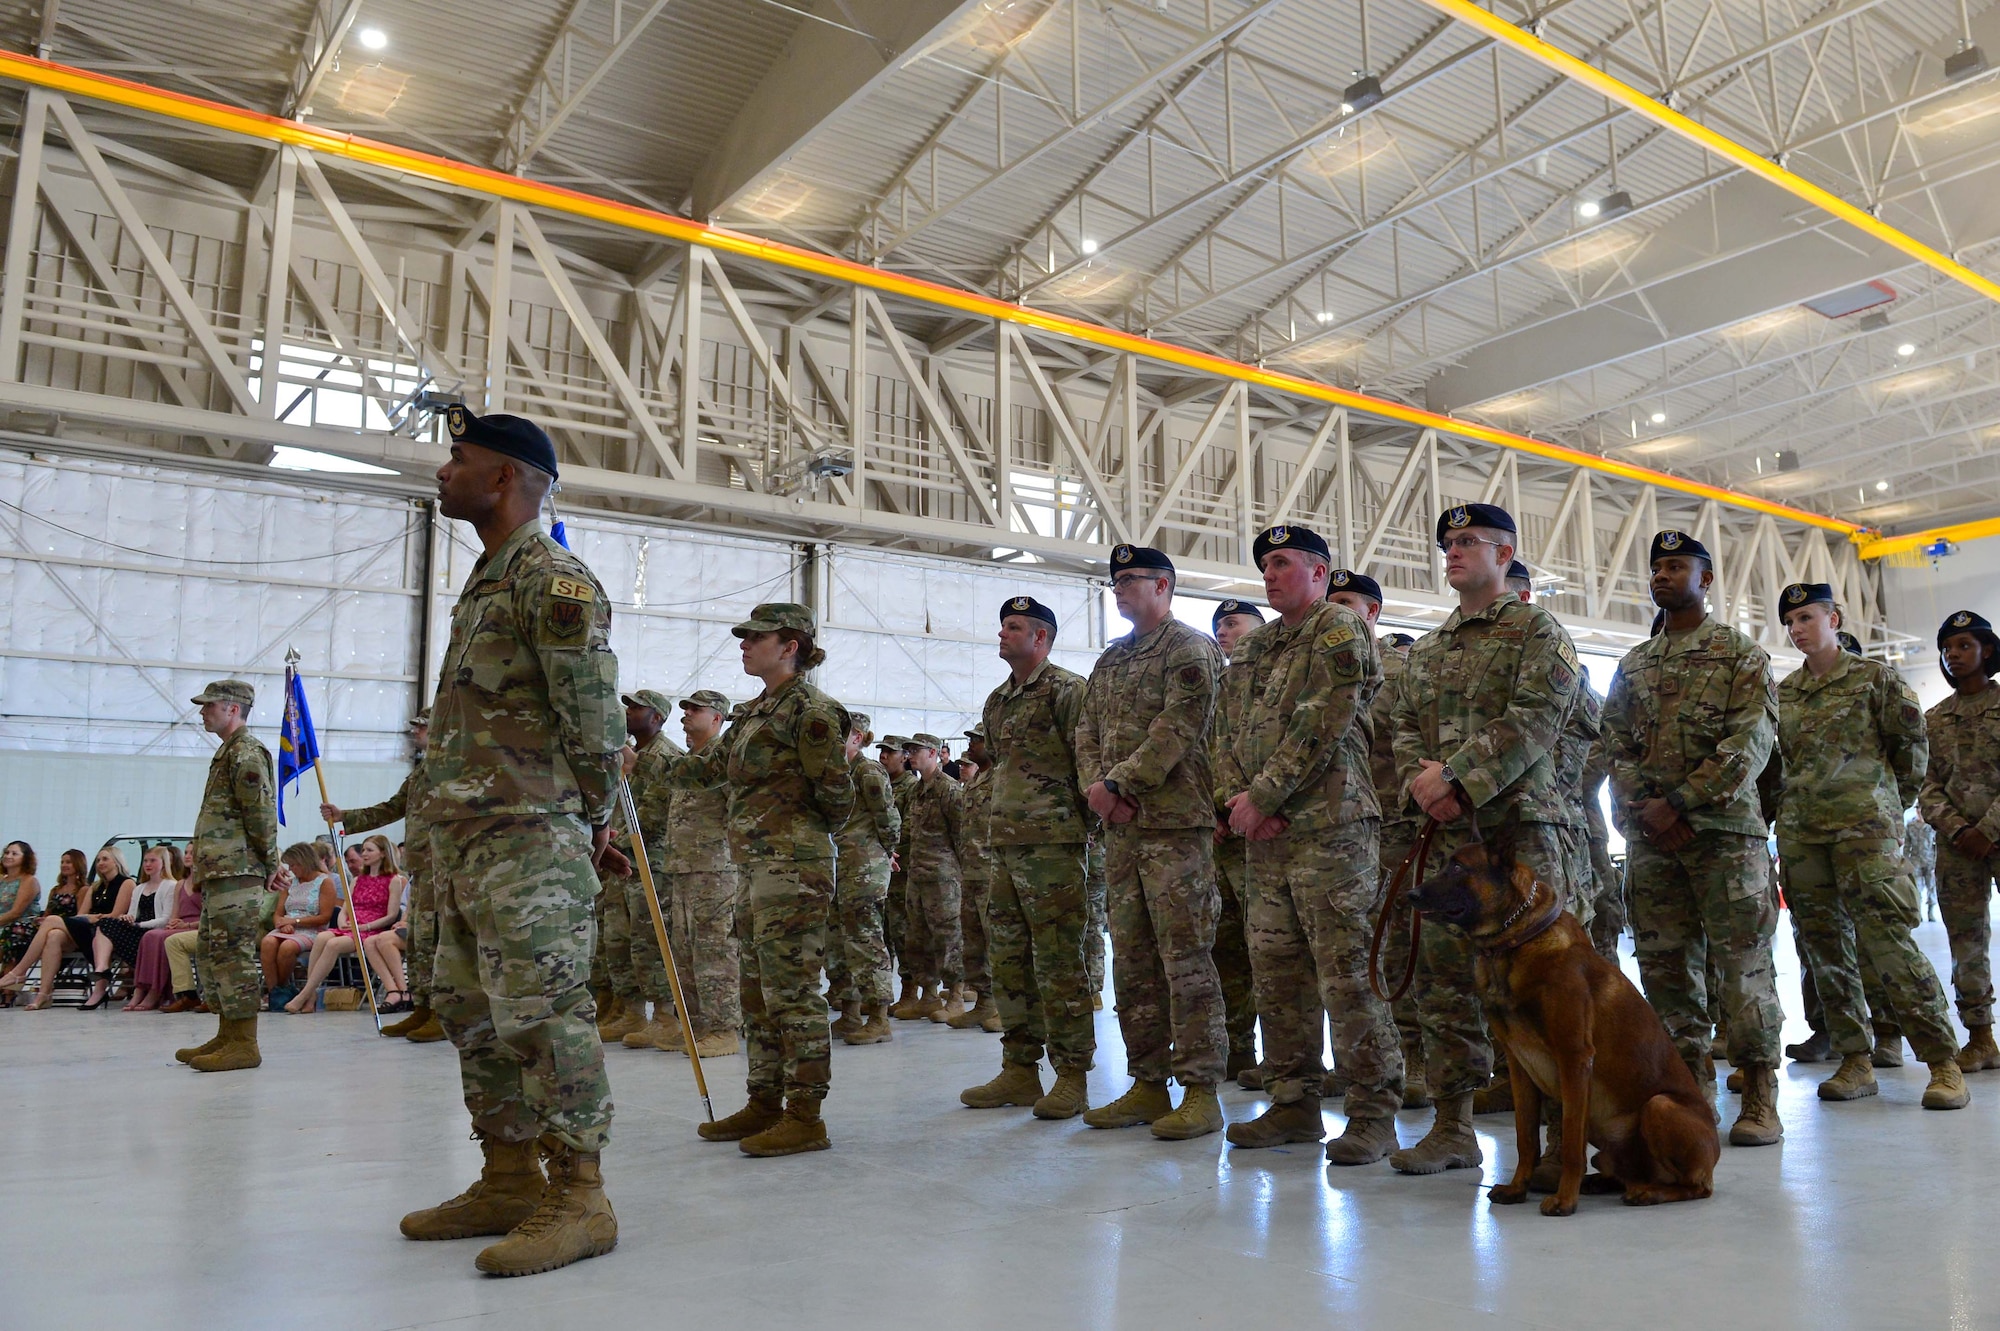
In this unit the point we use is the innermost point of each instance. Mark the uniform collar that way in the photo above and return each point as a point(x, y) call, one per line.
point(1842, 667)
point(1135, 638)
point(1458, 618)
point(1012, 688)
point(768, 699)
point(494, 564)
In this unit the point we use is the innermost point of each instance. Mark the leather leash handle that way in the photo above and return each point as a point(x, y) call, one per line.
point(1420, 855)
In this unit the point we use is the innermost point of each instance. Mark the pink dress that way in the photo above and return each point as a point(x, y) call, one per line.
point(371, 900)
point(151, 968)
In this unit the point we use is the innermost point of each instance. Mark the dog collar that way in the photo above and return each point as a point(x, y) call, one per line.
point(1536, 926)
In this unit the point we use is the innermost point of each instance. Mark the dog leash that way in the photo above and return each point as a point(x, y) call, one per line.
point(1420, 854)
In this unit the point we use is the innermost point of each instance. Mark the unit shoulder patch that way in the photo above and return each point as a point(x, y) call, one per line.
point(1336, 635)
point(1567, 651)
point(572, 589)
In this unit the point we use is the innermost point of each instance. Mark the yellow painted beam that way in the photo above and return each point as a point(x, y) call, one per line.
point(1880, 547)
point(498, 185)
point(1502, 30)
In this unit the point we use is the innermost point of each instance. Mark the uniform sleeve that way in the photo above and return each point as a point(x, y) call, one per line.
point(1181, 724)
point(1901, 723)
point(1067, 703)
point(569, 622)
point(953, 805)
point(1933, 804)
point(1230, 708)
point(381, 815)
point(255, 804)
point(1618, 743)
point(872, 789)
point(822, 753)
point(1500, 752)
point(1749, 729)
point(652, 797)
point(1089, 765)
point(1407, 739)
point(1340, 662)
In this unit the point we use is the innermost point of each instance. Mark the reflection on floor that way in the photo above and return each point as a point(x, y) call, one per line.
point(141, 1194)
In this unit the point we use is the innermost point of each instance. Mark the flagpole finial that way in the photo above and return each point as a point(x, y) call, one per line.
point(292, 657)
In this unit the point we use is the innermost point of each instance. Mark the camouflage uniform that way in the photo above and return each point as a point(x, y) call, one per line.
point(523, 760)
point(611, 959)
point(407, 804)
point(1144, 726)
point(895, 911)
point(651, 793)
point(699, 886)
point(933, 883)
point(1398, 833)
point(1579, 736)
point(1486, 694)
point(1608, 912)
point(1097, 905)
point(1037, 912)
point(233, 855)
point(1294, 732)
point(1855, 755)
point(789, 790)
point(975, 867)
point(863, 846)
point(1959, 792)
point(1692, 717)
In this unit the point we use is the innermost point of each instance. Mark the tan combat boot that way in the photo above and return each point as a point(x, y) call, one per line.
point(631, 1017)
point(1450, 1144)
point(1069, 1097)
point(875, 1030)
point(1253, 1077)
point(1363, 1141)
point(609, 1006)
point(238, 1049)
point(1416, 1091)
point(1144, 1103)
point(910, 1007)
point(941, 1005)
point(1815, 1048)
point(1198, 1114)
point(1854, 1079)
point(1980, 1053)
point(762, 1110)
point(1757, 1122)
point(1947, 1089)
point(1017, 1084)
point(572, 1222)
point(505, 1193)
point(717, 1044)
point(849, 1020)
point(1888, 1051)
point(662, 1032)
point(975, 1017)
point(1735, 1082)
point(430, 1032)
point(1497, 1098)
point(209, 1046)
point(418, 1016)
point(1240, 1062)
point(1279, 1125)
point(799, 1130)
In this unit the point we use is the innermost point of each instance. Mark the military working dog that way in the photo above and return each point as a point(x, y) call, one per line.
point(1576, 1029)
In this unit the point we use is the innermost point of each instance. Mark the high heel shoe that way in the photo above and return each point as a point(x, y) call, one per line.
point(103, 992)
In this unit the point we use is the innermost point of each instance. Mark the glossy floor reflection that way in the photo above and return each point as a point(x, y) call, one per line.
point(140, 1194)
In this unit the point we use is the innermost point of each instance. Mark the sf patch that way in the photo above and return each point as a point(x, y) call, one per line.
point(1336, 635)
point(1566, 651)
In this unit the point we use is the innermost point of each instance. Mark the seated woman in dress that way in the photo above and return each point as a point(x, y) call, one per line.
point(378, 892)
point(20, 900)
point(110, 896)
point(385, 956)
point(153, 974)
point(52, 936)
point(120, 936)
point(311, 897)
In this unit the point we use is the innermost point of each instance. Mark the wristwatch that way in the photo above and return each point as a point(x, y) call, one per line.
point(1112, 786)
point(1451, 777)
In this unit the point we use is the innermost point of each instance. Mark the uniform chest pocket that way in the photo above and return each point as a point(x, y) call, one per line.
point(756, 754)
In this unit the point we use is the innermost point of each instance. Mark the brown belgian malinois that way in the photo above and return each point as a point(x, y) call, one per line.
point(1576, 1029)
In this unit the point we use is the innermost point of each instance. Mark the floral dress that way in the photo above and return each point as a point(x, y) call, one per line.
point(14, 942)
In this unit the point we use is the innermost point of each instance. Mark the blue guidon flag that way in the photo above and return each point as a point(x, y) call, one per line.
point(298, 747)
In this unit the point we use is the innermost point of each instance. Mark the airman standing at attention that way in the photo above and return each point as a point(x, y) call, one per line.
point(934, 881)
point(701, 883)
point(649, 772)
point(1231, 620)
point(903, 783)
point(863, 847)
point(1478, 719)
point(523, 761)
point(1855, 755)
point(1097, 896)
point(1292, 775)
point(975, 863)
point(232, 857)
point(1142, 760)
point(1688, 732)
point(1961, 800)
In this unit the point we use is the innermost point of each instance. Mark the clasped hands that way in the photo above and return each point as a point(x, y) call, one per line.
point(1111, 808)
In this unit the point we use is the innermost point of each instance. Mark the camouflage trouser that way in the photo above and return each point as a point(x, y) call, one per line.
point(1702, 919)
point(515, 925)
point(1458, 1053)
point(1965, 896)
point(226, 948)
point(1096, 896)
point(611, 958)
point(1035, 919)
point(421, 959)
point(701, 926)
point(896, 925)
point(1880, 1017)
point(1163, 905)
point(1854, 899)
point(860, 888)
point(1612, 914)
point(975, 888)
point(1394, 840)
point(1232, 949)
point(937, 947)
point(649, 973)
point(1311, 909)
point(781, 914)
point(1592, 891)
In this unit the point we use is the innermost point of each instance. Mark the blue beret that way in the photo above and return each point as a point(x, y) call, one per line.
point(1474, 515)
point(1028, 607)
point(1224, 609)
point(1346, 580)
point(1848, 642)
point(1125, 557)
point(1805, 593)
point(1288, 538)
point(1965, 621)
point(515, 436)
point(1518, 572)
point(1678, 543)
point(1400, 640)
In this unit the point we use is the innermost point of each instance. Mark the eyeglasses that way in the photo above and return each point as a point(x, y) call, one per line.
point(1451, 543)
point(1133, 580)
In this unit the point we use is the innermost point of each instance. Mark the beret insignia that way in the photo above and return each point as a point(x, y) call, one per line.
point(1458, 517)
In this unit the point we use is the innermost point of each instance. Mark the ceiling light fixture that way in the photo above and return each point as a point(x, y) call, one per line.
point(1089, 247)
point(1615, 204)
point(1964, 63)
point(1881, 487)
point(1323, 317)
point(1659, 418)
point(1361, 94)
point(373, 38)
point(1908, 349)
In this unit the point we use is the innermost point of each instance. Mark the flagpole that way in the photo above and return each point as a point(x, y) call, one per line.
point(339, 860)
